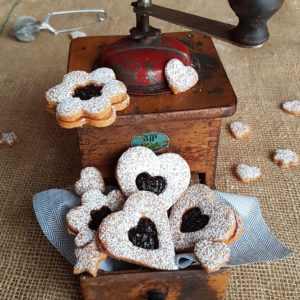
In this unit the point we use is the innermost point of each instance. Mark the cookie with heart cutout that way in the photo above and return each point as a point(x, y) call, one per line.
point(180, 78)
point(211, 255)
point(90, 179)
point(139, 234)
point(167, 175)
point(196, 216)
point(84, 220)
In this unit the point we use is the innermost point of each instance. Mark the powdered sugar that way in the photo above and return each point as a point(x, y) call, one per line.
point(286, 157)
point(113, 233)
point(240, 130)
point(172, 167)
point(180, 77)
point(246, 173)
point(221, 222)
point(211, 255)
point(292, 107)
point(9, 138)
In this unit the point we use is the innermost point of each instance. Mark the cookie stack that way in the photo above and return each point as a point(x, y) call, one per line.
point(154, 215)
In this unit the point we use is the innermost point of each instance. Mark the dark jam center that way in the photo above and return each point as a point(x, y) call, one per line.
point(98, 216)
point(144, 235)
point(87, 92)
point(193, 220)
point(146, 182)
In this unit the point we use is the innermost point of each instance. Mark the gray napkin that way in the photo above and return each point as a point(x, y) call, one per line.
point(257, 244)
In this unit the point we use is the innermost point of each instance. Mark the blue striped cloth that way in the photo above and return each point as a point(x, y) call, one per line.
point(257, 244)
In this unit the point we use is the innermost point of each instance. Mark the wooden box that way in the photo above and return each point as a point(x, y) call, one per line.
point(191, 120)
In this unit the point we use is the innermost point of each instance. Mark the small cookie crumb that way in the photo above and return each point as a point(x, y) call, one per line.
point(240, 130)
point(247, 173)
point(291, 107)
point(286, 158)
point(77, 34)
point(9, 139)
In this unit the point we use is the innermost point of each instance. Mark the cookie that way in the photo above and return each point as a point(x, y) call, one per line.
point(196, 216)
point(76, 34)
point(240, 130)
point(180, 78)
point(291, 107)
point(246, 173)
point(239, 228)
point(87, 98)
point(9, 139)
point(167, 175)
point(286, 158)
point(211, 255)
point(85, 219)
point(88, 259)
point(140, 233)
point(90, 179)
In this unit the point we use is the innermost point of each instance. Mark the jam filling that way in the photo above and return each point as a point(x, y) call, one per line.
point(87, 92)
point(146, 182)
point(98, 216)
point(144, 235)
point(193, 220)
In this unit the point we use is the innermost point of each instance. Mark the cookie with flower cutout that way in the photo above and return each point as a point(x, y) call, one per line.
point(197, 216)
point(211, 255)
point(246, 173)
point(90, 179)
point(84, 220)
point(286, 158)
point(139, 234)
point(167, 175)
point(180, 78)
point(291, 107)
point(239, 130)
point(87, 98)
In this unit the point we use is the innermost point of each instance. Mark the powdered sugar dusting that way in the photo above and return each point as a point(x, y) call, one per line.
point(292, 107)
point(180, 77)
point(239, 130)
point(211, 255)
point(221, 218)
point(9, 138)
point(88, 259)
point(286, 156)
point(113, 233)
point(90, 178)
point(247, 173)
point(172, 167)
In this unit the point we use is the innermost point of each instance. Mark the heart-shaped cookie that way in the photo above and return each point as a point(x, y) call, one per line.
point(139, 234)
point(90, 178)
point(239, 130)
point(211, 255)
point(292, 107)
point(196, 216)
point(167, 175)
point(84, 220)
point(247, 173)
point(180, 77)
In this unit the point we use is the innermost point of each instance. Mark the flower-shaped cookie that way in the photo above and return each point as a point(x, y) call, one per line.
point(84, 220)
point(90, 98)
point(140, 233)
point(167, 175)
point(90, 179)
point(196, 216)
point(286, 158)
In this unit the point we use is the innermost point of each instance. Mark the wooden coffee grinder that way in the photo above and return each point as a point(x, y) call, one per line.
point(189, 122)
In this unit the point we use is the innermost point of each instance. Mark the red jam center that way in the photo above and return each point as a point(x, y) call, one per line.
point(193, 220)
point(87, 92)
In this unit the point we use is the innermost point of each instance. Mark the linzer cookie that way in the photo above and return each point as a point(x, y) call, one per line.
point(167, 175)
point(239, 228)
point(87, 98)
point(291, 107)
point(286, 158)
point(196, 216)
point(240, 130)
point(90, 179)
point(84, 220)
point(180, 77)
point(88, 259)
point(140, 233)
point(246, 173)
point(211, 255)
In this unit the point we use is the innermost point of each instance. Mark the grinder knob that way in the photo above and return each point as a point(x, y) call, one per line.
point(253, 15)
